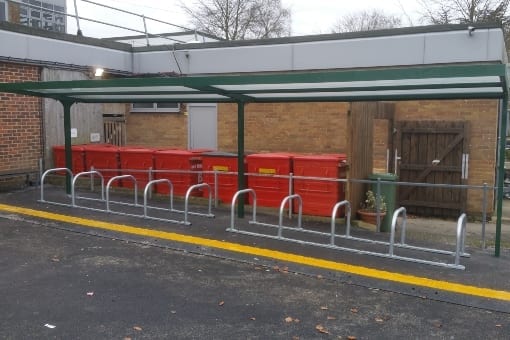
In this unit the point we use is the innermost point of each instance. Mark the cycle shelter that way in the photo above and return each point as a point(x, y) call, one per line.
point(477, 78)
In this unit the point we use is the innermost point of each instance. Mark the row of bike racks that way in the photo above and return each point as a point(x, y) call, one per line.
point(333, 236)
point(105, 196)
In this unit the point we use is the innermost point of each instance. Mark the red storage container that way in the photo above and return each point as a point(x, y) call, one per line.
point(221, 162)
point(176, 160)
point(270, 191)
point(136, 158)
point(319, 197)
point(104, 158)
point(78, 155)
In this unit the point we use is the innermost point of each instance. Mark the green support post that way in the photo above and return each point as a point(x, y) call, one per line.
point(501, 172)
point(240, 157)
point(67, 141)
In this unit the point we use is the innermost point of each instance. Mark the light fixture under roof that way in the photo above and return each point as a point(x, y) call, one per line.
point(98, 72)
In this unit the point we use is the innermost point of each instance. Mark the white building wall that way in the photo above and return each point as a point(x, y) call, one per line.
point(483, 45)
point(400, 50)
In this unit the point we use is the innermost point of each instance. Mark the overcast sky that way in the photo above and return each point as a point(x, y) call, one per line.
point(308, 16)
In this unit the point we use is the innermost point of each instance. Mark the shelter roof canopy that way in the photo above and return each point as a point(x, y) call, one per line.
point(396, 83)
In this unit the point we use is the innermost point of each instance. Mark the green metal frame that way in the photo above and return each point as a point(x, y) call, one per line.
point(67, 141)
point(469, 81)
point(210, 85)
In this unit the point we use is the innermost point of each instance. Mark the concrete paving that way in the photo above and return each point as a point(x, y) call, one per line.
point(99, 283)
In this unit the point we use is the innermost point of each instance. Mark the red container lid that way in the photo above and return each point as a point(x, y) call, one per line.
point(164, 148)
point(200, 150)
point(73, 147)
point(105, 145)
point(323, 157)
point(128, 149)
point(275, 155)
point(220, 154)
point(102, 148)
point(175, 152)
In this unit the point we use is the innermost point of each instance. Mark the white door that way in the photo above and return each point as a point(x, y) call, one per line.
point(202, 126)
point(4, 16)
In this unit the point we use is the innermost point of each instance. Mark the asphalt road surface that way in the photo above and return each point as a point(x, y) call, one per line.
point(63, 284)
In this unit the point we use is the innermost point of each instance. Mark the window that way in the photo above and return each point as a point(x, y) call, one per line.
point(41, 14)
point(155, 107)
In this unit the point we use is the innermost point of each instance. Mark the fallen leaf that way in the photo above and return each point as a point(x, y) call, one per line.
point(55, 259)
point(127, 338)
point(285, 270)
point(137, 328)
point(378, 319)
point(90, 293)
point(324, 308)
point(320, 277)
point(351, 337)
point(276, 268)
point(288, 319)
point(438, 324)
point(331, 318)
point(295, 337)
point(221, 303)
point(296, 320)
point(498, 325)
point(354, 310)
point(321, 329)
point(49, 326)
point(253, 318)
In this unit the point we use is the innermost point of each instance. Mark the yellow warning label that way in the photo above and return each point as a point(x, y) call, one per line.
point(220, 168)
point(267, 171)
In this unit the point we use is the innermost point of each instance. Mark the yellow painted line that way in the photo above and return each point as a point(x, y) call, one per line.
point(273, 254)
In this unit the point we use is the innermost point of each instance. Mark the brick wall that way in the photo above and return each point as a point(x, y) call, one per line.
point(321, 128)
point(20, 122)
point(157, 129)
point(295, 127)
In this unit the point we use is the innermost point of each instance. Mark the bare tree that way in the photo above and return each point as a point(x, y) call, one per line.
point(271, 19)
point(240, 19)
point(465, 11)
point(366, 21)
point(468, 11)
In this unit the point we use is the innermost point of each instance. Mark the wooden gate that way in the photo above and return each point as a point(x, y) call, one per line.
point(432, 152)
point(114, 129)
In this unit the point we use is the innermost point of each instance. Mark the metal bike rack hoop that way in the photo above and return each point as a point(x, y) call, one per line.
point(146, 193)
point(394, 221)
point(461, 238)
point(337, 206)
point(49, 171)
point(116, 178)
point(282, 206)
point(233, 206)
point(92, 172)
point(186, 200)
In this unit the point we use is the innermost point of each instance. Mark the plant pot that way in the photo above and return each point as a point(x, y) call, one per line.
point(370, 216)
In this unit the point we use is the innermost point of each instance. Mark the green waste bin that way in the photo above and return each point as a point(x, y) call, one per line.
point(389, 192)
